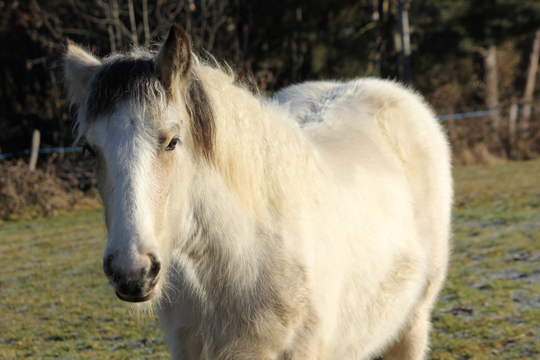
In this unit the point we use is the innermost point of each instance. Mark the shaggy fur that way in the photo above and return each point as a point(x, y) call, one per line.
point(314, 225)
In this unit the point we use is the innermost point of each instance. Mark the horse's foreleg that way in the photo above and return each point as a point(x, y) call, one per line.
point(414, 340)
point(413, 343)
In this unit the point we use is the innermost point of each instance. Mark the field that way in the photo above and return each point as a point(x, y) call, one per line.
point(56, 303)
point(490, 307)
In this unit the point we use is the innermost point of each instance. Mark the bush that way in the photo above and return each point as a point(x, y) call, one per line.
point(43, 192)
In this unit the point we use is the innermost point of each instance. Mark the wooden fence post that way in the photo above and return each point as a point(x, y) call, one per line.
point(512, 119)
point(34, 151)
point(529, 86)
point(452, 127)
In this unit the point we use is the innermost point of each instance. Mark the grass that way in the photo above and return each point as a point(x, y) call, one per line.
point(56, 303)
point(490, 307)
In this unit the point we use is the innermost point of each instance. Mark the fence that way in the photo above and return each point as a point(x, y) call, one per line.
point(41, 151)
point(476, 114)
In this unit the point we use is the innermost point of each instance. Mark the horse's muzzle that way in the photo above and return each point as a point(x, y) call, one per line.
point(134, 285)
point(150, 296)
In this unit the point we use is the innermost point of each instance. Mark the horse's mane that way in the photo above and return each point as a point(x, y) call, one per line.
point(124, 76)
point(258, 148)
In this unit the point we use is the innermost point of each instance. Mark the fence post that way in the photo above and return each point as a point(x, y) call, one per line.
point(524, 121)
point(512, 119)
point(451, 127)
point(529, 86)
point(34, 151)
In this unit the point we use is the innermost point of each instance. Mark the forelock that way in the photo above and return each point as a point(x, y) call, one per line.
point(125, 77)
point(132, 77)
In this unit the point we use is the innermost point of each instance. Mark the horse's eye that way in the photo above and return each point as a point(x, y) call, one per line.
point(172, 144)
point(88, 148)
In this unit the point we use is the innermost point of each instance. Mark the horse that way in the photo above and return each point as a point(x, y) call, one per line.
point(314, 224)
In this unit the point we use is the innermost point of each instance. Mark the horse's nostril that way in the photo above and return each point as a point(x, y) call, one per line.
point(135, 278)
point(107, 267)
point(130, 278)
point(155, 267)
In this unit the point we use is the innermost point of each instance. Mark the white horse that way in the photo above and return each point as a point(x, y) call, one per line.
point(314, 225)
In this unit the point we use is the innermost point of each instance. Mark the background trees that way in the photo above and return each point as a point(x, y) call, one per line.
point(465, 54)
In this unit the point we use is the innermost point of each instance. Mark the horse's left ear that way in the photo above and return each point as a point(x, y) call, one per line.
point(79, 66)
point(174, 59)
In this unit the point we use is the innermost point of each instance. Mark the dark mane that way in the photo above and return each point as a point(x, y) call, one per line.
point(202, 119)
point(133, 77)
point(122, 77)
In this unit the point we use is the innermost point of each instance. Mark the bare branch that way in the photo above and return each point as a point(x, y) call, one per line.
point(175, 13)
point(164, 23)
point(45, 15)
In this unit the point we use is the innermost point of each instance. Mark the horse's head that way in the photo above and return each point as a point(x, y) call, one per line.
point(142, 117)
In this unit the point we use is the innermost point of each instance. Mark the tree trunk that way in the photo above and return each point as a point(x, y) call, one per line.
point(529, 86)
point(134, 36)
point(118, 24)
point(512, 118)
point(405, 41)
point(387, 54)
point(146, 24)
point(492, 85)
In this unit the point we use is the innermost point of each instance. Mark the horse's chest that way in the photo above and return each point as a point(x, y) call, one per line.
point(212, 312)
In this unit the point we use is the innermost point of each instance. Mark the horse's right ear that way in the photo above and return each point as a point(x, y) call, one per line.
point(79, 66)
point(174, 59)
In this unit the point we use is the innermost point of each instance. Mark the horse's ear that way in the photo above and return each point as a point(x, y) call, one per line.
point(174, 59)
point(79, 66)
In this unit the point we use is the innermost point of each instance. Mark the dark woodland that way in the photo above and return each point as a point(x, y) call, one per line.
point(465, 56)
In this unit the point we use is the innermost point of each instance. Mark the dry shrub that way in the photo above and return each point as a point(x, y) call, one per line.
point(475, 141)
point(25, 194)
point(478, 154)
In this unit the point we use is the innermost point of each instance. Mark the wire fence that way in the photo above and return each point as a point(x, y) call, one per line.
point(41, 151)
point(467, 115)
point(476, 114)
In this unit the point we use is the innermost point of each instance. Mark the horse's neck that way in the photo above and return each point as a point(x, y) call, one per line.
point(224, 242)
point(263, 168)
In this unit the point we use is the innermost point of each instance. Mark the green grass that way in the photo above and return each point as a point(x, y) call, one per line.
point(493, 285)
point(56, 303)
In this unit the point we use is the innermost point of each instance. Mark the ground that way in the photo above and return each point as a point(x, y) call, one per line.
point(490, 306)
point(56, 302)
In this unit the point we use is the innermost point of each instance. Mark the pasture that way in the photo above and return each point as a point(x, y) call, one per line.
point(56, 302)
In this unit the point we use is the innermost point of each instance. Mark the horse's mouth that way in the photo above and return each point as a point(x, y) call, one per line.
point(139, 299)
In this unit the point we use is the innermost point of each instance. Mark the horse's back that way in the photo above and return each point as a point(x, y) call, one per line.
point(375, 124)
point(378, 129)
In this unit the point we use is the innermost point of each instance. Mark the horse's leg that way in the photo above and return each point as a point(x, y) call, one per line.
point(413, 342)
